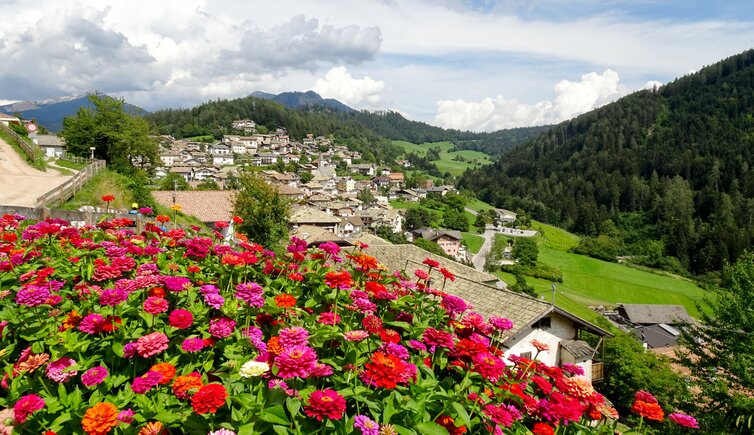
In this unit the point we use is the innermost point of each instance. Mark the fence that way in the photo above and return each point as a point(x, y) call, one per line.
point(75, 159)
point(29, 149)
point(66, 190)
point(76, 218)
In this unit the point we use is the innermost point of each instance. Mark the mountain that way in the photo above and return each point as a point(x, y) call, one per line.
point(300, 100)
point(50, 113)
point(666, 175)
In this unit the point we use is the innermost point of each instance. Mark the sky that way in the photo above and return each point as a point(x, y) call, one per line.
point(478, 65)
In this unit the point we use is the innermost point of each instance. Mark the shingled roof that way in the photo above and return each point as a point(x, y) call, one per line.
point(647, 314)
point(314, 236)
point(208, 206)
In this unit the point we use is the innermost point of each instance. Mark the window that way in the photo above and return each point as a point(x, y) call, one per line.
point(526, 355)
point(543, 323)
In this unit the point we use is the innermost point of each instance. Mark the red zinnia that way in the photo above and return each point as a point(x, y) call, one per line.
point(340, 280)
point(386, 371)
point(237, 220)
point(431, 263)
point(650, 411)
point(209, 398)
point(108, 198)
point(325, 403)
point(285, 301)
point(542, 429)
point(449, 424)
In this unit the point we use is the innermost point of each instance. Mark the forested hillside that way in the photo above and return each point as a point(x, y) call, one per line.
point(215, 118)
point(665, 171)
point(394, 126)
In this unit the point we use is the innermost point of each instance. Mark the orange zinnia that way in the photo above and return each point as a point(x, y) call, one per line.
point(71, 321)
point(273, 346)
point(184, 384)
point(650, 411)
point(166, 370)
point(285, 301)
point(100, 419)
point(152, 428)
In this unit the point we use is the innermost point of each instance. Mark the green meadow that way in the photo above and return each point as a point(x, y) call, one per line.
point(447, 162)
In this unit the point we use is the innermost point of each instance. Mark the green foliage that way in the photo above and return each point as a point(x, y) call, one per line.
point(430, 246)
point(520, 284)
point(174, 181)
point(525, 251)
point(538, 270)
point(386, 232)
point(417, 218)
point(305, 176)
point(366, 197)
point(117, 137)
point(720, 352)
point(603, 247)
point(264, 211)
point(629, 368)
point(678, 160)
point(37, 160)
point(208, 184)
point(455, 220)
point(473, 242)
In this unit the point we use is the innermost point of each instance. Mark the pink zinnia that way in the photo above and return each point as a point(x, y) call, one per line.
point(221, 327)
point(56, 370)
point(453, 304)
point(296, 361)
point(421, 274)
point(294, 336)
point(214, 300)
point(503, 415)
point(684, 420)
point(328, 318)
point(434, 337)
point(152, 344)
point(92, 324)
point(501, 323)
point(366, 425)
point(155, 305)
point(32, 295)
point(488, 365)
point(192, 345)
point(126, 416)
point(180, 319)
point(645, 396)
point(26, 406)
point(176, 283)
point(94, 376)
point(356, 335)
point(145, 383)
point(251, 293)
point(112, 297)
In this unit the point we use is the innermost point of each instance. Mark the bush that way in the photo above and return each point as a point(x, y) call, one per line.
point(602, 247)
point(539, 270)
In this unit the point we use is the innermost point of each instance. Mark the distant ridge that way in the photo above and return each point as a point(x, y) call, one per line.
point(50, 113)
point(300, 100)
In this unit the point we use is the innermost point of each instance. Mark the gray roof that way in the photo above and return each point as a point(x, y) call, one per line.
point(578, 348)
point(308, 215)
point(314, 236)
point(647, 314)
point(655, 336)
point(436, 234)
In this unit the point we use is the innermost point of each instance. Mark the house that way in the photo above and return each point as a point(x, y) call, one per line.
point(367, 169)
point(315, 236)
point(449, 241)
point(170, 158)
point(381, 181)
point(404, 163)
point(186, 172)
point(652, 314)
point(222, 159)
point(204, 173)
point(324, 170)
point(50, 144)
point(238, 148)
point(6, 120)
point(247, 125)
point(291, 193)
point(218, 149)
point(533, 319)
point(209, 206)
point(505, 216)
point(410, 195)
point(304, 215)
point(346, 184)
point(350, 226)
point(441, 190)
point(396, 179)
point(268, 159)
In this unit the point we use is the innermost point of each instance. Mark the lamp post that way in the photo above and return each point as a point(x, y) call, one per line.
point(91, 151)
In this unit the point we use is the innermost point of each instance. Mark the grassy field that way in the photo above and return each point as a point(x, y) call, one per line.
point(473, 242)
point(554, 237)
point(446, 162)
point(438, 213)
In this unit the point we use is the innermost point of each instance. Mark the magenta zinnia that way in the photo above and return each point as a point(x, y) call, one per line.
point(180, 319)
point(325, 403)
point(488, 365)
point(94, 376)
point(26, 406)
point(152, 344)
point(296, 361)
point(684, 420)
point(221, 327)
point(56, 370)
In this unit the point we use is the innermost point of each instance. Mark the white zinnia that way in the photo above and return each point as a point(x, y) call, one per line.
point(252, 369)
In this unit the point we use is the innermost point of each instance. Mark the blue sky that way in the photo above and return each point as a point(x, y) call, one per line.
point(470, 64)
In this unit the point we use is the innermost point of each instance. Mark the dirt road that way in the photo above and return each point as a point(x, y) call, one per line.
point(20, 184)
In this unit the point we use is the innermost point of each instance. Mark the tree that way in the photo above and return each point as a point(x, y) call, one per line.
point(174, 182)
point(264, 211)
point(430, 246)
point(208, 184)
point(123, 140)
point(525, 250)
point(366, 196)
point(417, 218)
point(720, 352)
point(306, 177)
point(455, 220)
point(521, 286)
point(386, 232)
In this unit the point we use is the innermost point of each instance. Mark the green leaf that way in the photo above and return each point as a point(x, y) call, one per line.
point(431, 429)
point(293, 405)
point(462, 414)
point(275, 414)
point(403, 430)
point(282, 430)
point(247, 429)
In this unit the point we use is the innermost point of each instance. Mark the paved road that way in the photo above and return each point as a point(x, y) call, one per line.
point(481, 256)
point(20, 184)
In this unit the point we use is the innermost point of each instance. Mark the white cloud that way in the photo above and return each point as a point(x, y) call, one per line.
point(652, 84)
point(573, 98)
point(339, 84)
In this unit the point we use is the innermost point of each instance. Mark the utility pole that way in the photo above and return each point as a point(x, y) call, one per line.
point(553, 294)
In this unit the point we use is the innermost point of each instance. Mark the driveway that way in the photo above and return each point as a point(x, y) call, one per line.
point(481, 256)
point(21, 183)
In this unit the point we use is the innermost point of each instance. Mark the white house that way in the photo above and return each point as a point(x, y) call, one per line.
point(222, 159)
point(218, 149)
point(52, 145)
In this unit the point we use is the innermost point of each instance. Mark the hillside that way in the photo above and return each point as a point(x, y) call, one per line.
point(303, 100)
point(452, 160)
point(50, 113)
point(662, 172)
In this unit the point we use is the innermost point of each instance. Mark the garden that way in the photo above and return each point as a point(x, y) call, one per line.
point(106, 330)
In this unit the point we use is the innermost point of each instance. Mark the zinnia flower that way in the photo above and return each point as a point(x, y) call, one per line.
point(387, 371)
point(92, 324)
point(112, 297)
point(209, 398)
point(167, 371)
point(645, 396)
point(650, 411)
point(325, 403)
point(294, 336)
point(252, 369)
point(221, 327)
point(183, 385)
point(56, 370)
point(126, 416)
point(684, 420)
point(192, 344)
point(100, 419)
point(340, 280)
point(155, 305)
point(94, 376)
point(488, 365)
point(328, 318)
point(285, 301)
point(503, 415)
point(296, 361)
point(153, 428)
point(542, 429)
point(251, 293)
point(434, 337)
point(541, 347)
point(501, 323)
point(26, 406)
point(366, 425)
point(356, 335)
point(180, 319)
point(152, 344)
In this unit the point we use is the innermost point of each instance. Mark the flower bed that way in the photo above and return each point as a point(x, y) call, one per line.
point(106, 331)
